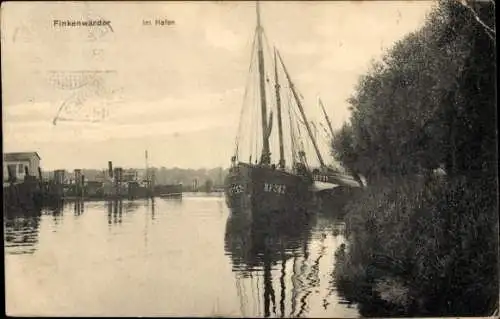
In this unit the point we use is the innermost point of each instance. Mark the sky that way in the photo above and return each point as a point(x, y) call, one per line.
point(175, 90)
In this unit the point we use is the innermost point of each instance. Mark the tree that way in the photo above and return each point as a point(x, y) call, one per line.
point(430, 102)
point(423, 104)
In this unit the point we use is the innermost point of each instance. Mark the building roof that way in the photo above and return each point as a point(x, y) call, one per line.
point(20, 156)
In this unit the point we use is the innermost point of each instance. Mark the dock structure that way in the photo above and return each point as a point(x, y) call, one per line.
point(21, 195)
point(173, 190)
point(118, 183)
point(18, 165)
point(24, 186)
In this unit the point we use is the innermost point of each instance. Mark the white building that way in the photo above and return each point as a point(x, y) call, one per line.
point(17, 162)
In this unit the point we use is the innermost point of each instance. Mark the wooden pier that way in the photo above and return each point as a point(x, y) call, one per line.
point(31, 193)
point(34, 192)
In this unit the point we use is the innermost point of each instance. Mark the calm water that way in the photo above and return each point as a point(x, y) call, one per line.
point(173, 258)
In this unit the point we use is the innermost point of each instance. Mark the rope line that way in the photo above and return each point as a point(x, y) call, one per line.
point(242, 111)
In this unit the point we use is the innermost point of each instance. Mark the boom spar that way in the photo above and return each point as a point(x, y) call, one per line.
point(301, 109)
point(326, 117)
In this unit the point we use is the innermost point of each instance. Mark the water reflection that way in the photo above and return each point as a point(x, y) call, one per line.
point(286, 271)
point(258, 250)
point(130, 206)
point(165, 257)
point(55, 208)
point(115, 211)
point(21, 233)
point(78, 208)
point(152, 205)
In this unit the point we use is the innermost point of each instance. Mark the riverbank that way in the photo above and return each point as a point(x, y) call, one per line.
point(421, 247)
point(419, 244)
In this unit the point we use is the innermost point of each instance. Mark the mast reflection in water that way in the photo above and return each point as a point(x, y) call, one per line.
point(168, 258)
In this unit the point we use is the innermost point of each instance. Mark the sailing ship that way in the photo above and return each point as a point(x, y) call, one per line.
point(263, 187)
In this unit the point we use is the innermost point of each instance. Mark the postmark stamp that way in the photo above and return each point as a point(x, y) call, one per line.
point(98, 31)
point(89, 96)
point(23, 33)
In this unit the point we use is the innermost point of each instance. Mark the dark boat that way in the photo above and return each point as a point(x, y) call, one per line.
point(263, 188)
point(168, 191)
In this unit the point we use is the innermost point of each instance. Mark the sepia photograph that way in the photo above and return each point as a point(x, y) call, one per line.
point(317, 159)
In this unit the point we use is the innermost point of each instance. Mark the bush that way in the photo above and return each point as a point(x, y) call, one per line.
point(424, 247)
point(417, 244)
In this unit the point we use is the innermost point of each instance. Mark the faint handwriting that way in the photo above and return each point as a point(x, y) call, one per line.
point(88, 99)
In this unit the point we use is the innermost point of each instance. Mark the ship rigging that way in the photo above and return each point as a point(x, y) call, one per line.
point(265, 183)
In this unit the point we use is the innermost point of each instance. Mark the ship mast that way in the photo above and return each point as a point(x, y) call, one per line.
point(278, 106)
point(326, 117)
point(148, 182)
point(265, 157)
point(292, 140)
point(306, 122)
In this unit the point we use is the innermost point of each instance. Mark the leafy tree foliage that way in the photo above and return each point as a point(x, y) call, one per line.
point(430, 102)
point(426, 245)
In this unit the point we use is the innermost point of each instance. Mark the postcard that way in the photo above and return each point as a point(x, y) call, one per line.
point(330, 159)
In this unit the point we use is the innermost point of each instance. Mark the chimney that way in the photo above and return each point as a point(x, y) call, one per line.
point(110, 169)
point(78, 173)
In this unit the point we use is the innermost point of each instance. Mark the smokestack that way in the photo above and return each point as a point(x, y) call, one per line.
point(59, 176)
point(110, 169)
point(116, 174)
point(78, 174)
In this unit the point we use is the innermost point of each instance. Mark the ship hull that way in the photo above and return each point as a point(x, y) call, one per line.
point(263, 193)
